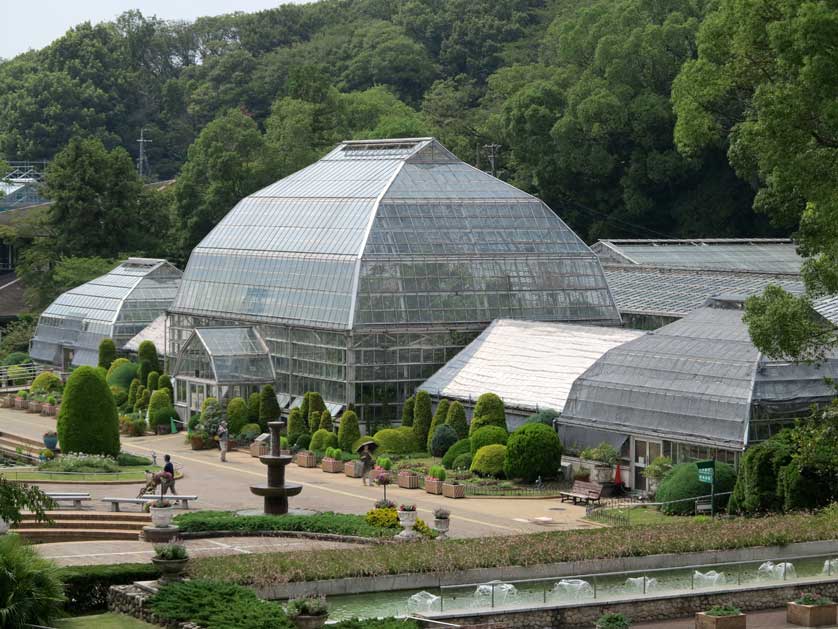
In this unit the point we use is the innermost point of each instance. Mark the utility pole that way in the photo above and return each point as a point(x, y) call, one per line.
point(493, 150)
point(142, 160)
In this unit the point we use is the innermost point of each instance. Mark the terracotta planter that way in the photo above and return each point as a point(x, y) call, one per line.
point(331, 466)
point(433, 485)
point(408, 480)
point(309, 622)
point(811, 615)
point(170, 569)
point(48, 409)
point(34, 407)
point(703, 621)
point(306, 459)
point(353, 469)
point(449, 490)
point(197, 443)
point(21, 404)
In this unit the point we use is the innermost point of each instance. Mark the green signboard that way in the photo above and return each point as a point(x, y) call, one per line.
point(706, 471)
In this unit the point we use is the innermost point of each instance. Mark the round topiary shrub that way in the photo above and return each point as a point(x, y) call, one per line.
point(682, 482)
point(486, 436)
point(152, 380)
point(162, 417)
point(107, 353)
point(397, 440)
point(444, 437)
point(533, 450)
point(457, 419)
point(268, 407)
point(326, 421)
point(489, 460)
point(250, 431)
point(148, 352)
point(158, 401)
point(462, 462)
point(296, 425)
point(46, 382)
point(165, 382)
point(488, 411)
point(121, 374)
point(348, 431)
point(236, 415)
point(463, 446)
point(120, 395)
point(88, 420)
point(303, 441)
point(322, 439)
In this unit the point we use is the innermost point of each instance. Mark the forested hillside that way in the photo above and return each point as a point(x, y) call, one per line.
point(631, 118)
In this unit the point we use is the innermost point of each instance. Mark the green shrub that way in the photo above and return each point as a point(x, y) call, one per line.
point(88, 420)
point(120, 395)
point(487, 436)
point(126, 459)
point(143, 370)
point(86, 587)
point(613, 621)
point(268, 407)
point(250, 431)
point(439, 418)
point(71, 462)
point(407, 412)
point(296, 425)
point(333, 453)
point(462, 462)
point(544, 416)
point(16, 358)
point(757, 488)
point(533, 450)
point(143, 400)
point(313, 406)
point(384, 463)
point(303, 441)
point(488, 461)
point(463, 446)
point(724, 610)
point(397, 440)
point(422, 417)
point(326, 421)
point(132, 392)
point(211, 415)
point(682, 483)
point(254, 403)
point(121, 374)
point(488, 411)
point(326, 522)
point(216, 605)
point(107, 353)
point(236, 415)
point(603, 453)
point(442, 440)
point(348, 431)
point(31, 588)
point(46, 382)
point(163, 416)
point(801, 488)
point(138, 427)
point(165, 382)
point(457, 419)
point(437, 472)
point(152, 381)
point(18, 374)
point(322, 439)
point(158, 401)
point(146, 351)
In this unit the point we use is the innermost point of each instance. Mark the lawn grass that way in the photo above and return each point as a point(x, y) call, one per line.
point(131, 473)
point(674, 536)
point(645, 515)
point(103, 621)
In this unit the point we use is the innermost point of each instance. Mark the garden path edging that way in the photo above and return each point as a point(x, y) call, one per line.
point(414, 581)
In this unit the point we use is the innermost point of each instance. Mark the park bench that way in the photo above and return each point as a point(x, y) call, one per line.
point(582, 491)
point(183, 500)
point(115, 502)
point(74, 497)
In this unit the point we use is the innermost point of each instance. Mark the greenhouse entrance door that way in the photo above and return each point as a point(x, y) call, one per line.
point(643, 453)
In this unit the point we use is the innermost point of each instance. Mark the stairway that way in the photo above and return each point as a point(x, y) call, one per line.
point(82, 526)
point(13, 445)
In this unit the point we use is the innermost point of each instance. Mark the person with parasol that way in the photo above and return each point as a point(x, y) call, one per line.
point(365, 450)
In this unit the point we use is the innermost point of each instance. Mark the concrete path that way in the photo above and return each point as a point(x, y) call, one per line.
point(226, 486)
point(86, 553)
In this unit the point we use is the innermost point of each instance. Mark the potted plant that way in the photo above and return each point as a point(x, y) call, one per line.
point(453, 489)
point(198, 439)
point(22, 400)
point(604, 457)
point(162, 512)
point(34, 405)
point(434, 480)
point(50, 440)
point(407, 518)
point(306, 458)
point(654, 473)
point(720, 617)
point(407, 479)
point(613, 621)
point(49, 407)
point(309, 612)
point(812, 610)
point(354, 468)
point(442, 520)
point(170, 560)
point(332, 462)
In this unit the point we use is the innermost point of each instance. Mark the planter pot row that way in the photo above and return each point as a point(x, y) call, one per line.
point(306, 459)
point(796, 614)
point(449, 490)
point(332, 466)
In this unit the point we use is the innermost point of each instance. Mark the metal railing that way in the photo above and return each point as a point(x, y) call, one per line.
point(17, 376)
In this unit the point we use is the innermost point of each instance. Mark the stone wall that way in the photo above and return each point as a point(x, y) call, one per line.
point(133, 601)
point(584, 615)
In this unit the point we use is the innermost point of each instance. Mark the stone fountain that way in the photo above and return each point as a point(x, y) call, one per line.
point(276, 491)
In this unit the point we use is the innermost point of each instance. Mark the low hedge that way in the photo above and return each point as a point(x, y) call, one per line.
point(86, 587)
point(328, 523)
point(397, 440)
point(445, 557)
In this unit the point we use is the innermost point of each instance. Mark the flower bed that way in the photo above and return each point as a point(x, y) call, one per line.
point(523, 550)
point(329, 523)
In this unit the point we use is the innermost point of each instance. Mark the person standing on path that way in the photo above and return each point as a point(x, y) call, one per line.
point(223, 435)
point(366, 459)
point(168, 476)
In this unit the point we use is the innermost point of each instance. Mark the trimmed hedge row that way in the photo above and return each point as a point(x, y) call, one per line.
point(86, 587)
point(328, 523)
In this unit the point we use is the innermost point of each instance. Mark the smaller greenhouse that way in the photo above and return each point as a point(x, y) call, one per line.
point(220, 362)
point(117, 305)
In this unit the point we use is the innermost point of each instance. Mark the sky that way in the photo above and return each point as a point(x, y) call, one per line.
point(24, 26)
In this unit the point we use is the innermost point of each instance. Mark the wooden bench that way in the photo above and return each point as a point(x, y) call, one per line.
point(75, 498)
point(115, 502)
point(582, 491)
point(183, 500)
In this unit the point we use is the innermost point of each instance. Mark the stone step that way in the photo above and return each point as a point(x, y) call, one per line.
point(86, 524)
point(13, 444)
point(50, 535)
point(104, 516)
point(39, 445)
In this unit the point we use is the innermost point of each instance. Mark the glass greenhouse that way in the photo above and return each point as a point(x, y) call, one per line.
point(117, 305)
point(368, 270)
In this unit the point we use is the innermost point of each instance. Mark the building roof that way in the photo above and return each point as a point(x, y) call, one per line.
point(676, 292)
point(116, 305)
point(389, 232)
point(695, 380)
point(229, 354)
point(12, 301)
point(756, 255)
point(530, 364)
point(156, 332)
point(827, 307)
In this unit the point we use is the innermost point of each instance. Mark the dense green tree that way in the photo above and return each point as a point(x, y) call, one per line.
point(88, 419)
point(348, 431)
point(253, 404)
point(326, 421)
point(236, 415)
point(488, 411)
point(407, 412)
point(422, 417)
point(268, 407)
point(165, 382)
point(533, 450)
point(158, 401)
point(457, 419)
point(107, 353)
point(33, 593)
point(297, 425)
point(132, 392)
point(148, 352)
point(440, 415)
point(152, 381)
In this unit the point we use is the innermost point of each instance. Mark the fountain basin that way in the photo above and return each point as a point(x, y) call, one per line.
point(280, 459)
point(289, 489)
